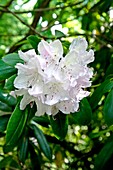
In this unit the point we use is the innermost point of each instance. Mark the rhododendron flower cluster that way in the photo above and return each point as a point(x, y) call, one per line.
point(53, 81)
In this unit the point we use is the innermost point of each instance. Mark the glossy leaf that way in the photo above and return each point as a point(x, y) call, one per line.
point(44, 146)
point(59, 124)
point(83, 116)
point(12, 59)
point(6, 71)
point(4, 107)
point(7, 98)
point(43, 120)
point(102, 89)
point(3, 122)
point(9, 85)
point(15, 125)
point(23, 149)
point(34, 41)
point(104, 155)
point(108, 108)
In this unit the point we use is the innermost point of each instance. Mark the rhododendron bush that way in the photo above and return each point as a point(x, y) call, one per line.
point(56, 85)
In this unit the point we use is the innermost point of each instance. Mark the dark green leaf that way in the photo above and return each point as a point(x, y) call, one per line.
point(59, 124)
point(83, 116)
point(5, 162)
point(44, 146)
point(4, 107)
point(8, 99)
point(108, 108)
point(34, 40)
point(12, 59)
point(43, 120)
point(35, 158)
point(16, 125)
point(6, 71)
point(9, 84)
point(109, 70)
point(23, 149)
point(3, 122)
point(104, 155)
point(98, 93)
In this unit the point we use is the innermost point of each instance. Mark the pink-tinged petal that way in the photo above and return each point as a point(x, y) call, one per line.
point(57, 48)
point(82, 94)
point(44, 48)
point(68, 106)
point(26, 56)
point(87, 57)
point(78, 44)
point(71, 58)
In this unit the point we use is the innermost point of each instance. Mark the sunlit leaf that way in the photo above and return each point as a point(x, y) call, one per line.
point(12, 59)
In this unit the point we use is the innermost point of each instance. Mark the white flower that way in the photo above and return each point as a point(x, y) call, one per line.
point(80, 45)
point(50, 54)
point(55, 83)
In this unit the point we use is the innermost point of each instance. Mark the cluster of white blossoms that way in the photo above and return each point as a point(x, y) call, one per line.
point(53, 81)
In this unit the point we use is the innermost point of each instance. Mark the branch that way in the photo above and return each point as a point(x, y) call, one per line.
point(32, 27)
point(37, 17)
point(23, 22)
point(6, 6)
point(44, 9)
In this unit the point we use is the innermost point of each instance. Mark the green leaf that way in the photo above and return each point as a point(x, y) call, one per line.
point(8, 99)
point(104, 155)
point(108, 108)
point(34, 40)
point(4, 107)
point(12, 59)
point(36, 158)
point(59, 34)
point(59, 124)
point(6, 71)
point(109, 70)
point(23, 149)
point(83, 116)
point(43, 120)
point(98, 93)
point(3, 122)
point(9, 84)
point(16, 125)
point(44, 146)
point(5, 162)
